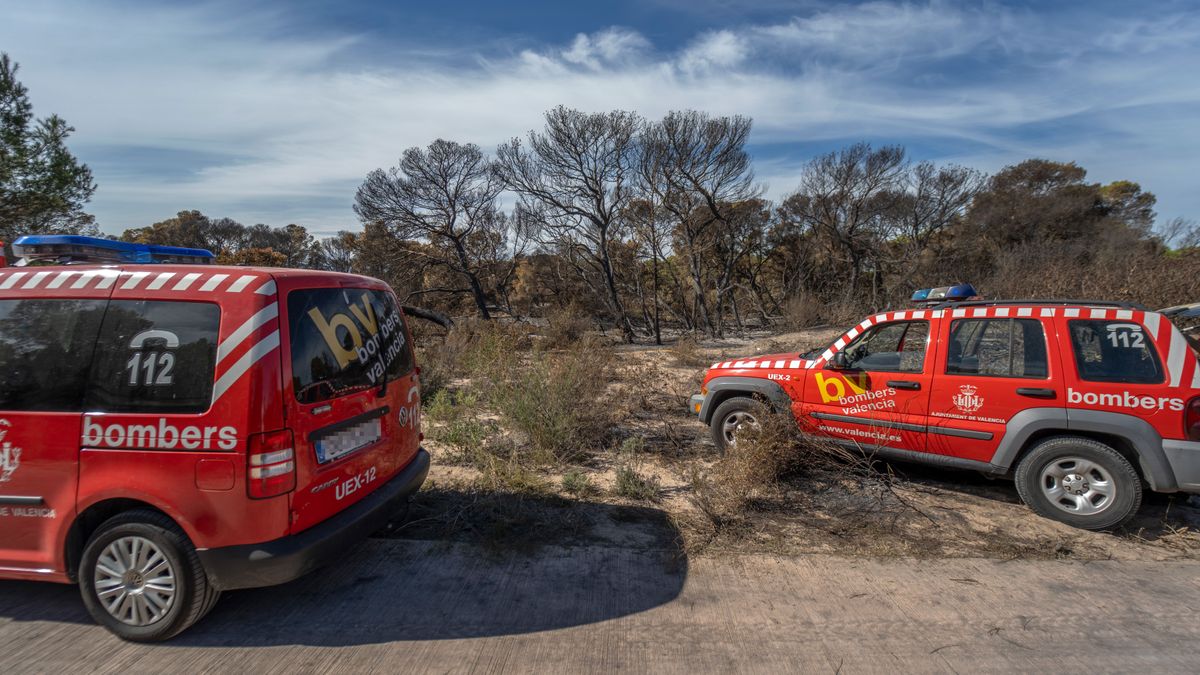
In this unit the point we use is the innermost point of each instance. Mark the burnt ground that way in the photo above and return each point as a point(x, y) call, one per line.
point(920, 511)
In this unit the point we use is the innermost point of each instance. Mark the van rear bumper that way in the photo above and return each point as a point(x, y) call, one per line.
point(287, 558)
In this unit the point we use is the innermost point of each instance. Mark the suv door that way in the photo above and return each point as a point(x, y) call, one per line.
point(46, 346)
point(879, 393)
point(993, 367)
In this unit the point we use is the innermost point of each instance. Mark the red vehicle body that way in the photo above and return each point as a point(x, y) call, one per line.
point(262, 418)
point(999, 387)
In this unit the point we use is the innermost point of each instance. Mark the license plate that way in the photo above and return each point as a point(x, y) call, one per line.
point(348, 440)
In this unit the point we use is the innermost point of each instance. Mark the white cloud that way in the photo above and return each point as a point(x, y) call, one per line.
point(302, 119)
point(715, 50)
point(611, 47)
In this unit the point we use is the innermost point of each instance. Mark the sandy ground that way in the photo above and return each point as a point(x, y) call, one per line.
point(421, 606)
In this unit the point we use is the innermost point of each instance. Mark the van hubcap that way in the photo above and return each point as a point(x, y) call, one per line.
point(1077, 485)
point(734, 423)
point(134, 581)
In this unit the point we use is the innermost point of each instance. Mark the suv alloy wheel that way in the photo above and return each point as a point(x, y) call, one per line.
point(1079, 481)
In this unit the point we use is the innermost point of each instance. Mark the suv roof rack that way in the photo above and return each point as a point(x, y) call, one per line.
point(1085, 303)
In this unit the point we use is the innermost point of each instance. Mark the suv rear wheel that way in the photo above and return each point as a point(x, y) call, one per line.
point(1079, 481)
point(141, 579)
point(733, 416)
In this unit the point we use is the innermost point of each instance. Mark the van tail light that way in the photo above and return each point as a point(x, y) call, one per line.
point(272, 464)
point(1191, 420)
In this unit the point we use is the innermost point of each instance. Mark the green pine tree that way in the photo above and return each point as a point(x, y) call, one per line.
point(42, 186)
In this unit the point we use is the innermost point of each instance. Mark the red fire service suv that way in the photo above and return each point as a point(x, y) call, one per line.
point(1082, 403)
point(171, 429)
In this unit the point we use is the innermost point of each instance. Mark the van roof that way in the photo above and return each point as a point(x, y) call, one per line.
point(161, 277)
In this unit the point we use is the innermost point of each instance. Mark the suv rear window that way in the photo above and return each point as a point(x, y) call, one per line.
point(155, 357)
point(997, 348)
point(1114, 351)
point(45, 348)
point(344, 340)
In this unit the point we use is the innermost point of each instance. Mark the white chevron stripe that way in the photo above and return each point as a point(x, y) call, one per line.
point(239, 335)
point(1176, 356)
point(11, 280)
point(239, 368)
point(186, 281)
point(1152, 320)
point(133, 280)
point(240, 285)
point(267, 288)
point(794, 364)
point(35, 280)
point(213, 281)
point(160, 281)
point(107, 278)
point(61, 278)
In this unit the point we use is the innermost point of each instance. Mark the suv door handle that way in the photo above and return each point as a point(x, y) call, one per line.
point(903, 384)
point(1036, 392)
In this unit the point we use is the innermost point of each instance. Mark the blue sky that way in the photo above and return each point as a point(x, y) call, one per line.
point(274, 112)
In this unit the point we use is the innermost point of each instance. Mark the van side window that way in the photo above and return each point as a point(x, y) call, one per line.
point(891, 347)
point(45, 348)
point(997, 348)
point(155, 357)
point(344, 340)
point(1114, 351)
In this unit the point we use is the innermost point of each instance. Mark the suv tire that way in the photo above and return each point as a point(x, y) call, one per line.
point(141, 579)
point(1079, 481)
point(731, 415)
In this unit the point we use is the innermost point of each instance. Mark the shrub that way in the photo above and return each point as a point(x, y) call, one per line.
point(576, 482)
point(556, 401)
point(632, 485)
point(686, 352)
point(565, 326)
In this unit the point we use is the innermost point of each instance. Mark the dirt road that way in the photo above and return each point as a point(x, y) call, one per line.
point(419, 606)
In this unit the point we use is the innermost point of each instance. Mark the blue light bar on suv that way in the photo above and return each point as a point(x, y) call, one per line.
point(945, 293)
point(65, 248)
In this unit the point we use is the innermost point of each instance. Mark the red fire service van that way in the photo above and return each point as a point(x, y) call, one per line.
point(170, 429)
point(1082, 403)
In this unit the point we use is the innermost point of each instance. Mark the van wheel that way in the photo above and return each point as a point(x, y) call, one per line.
point(141, 579)
point(1079, 481)
point(732, 417)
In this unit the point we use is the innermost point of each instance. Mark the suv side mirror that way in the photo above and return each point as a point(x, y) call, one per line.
point(839, 361)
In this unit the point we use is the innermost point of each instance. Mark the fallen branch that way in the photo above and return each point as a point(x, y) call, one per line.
point(429, 315)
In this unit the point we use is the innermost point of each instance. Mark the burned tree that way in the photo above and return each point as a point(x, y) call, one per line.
point(444, 195)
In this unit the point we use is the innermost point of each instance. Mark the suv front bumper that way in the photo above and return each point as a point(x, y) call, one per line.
point(281, 560)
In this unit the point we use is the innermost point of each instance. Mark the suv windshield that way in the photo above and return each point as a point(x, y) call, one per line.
point(344, 340)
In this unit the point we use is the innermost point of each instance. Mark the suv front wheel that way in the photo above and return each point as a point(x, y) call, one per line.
point(1079, 481)
point(732, 417)
point(141, 579)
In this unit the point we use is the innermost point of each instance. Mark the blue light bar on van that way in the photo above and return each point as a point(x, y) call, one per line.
point(74, 248)
point(945, 293)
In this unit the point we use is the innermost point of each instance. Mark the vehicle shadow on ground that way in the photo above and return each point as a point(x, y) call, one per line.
point(396, 589)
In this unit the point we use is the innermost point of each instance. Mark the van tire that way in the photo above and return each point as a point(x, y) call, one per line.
point(193, 595)
point(736, 411)
point(1059, 476)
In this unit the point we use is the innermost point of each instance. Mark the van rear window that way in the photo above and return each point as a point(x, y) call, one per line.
point(45, 349)
point(344, 340)
point(155, 357)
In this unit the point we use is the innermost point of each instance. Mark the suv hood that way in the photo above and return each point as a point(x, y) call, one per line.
point(784, 361)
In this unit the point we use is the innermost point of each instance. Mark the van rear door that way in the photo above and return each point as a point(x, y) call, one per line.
point(351, 390)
